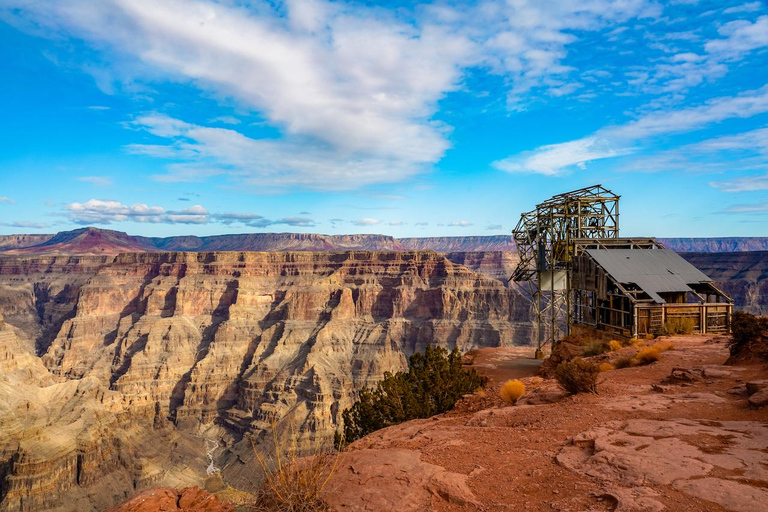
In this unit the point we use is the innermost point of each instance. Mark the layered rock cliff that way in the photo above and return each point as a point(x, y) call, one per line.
point(141, 353)
point(742, 275)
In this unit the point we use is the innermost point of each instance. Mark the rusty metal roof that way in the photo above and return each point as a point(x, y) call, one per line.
point(653, 270)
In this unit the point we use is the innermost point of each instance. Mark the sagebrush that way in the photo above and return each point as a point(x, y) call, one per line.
point(749, 335)
point(577, 376)
point(646, 355)
point(432, 385)
point(512, 390)
point(679, 325)
point(293, 483)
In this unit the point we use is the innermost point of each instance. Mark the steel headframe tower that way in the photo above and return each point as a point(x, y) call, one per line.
point(546, 239)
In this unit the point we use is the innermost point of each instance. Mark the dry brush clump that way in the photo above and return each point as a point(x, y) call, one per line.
point(615, 345)
point(595, 348)
point(293, 483)
point(646, 355)
point(622, 362)
point(679, 325)
point(577, 376)
point(605, 367)
point(749, 336)
point(512, 390)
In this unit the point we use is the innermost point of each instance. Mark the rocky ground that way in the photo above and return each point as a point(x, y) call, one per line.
point(684, 433)
point(679, 434)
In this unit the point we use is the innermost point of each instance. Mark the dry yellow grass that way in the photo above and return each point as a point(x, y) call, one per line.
point(646, 355)
point(665, 345)
point(614, 345)
point(291, 482)
point(512, 390)
point(605, 367)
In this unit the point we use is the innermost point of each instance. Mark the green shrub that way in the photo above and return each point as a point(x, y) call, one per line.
point(577, 376)
point(432, 385)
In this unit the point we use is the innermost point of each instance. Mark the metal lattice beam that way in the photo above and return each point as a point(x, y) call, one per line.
point(547, 239)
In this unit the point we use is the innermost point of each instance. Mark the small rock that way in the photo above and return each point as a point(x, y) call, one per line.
point(738, 391)
point(759, 399)
point(756, 385)
point(713, 373)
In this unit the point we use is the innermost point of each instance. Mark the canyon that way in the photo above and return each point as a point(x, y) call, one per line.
point(119, 372)
point(126, 361)
point(102, 241)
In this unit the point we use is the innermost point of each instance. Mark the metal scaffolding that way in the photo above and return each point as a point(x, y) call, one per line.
point(547, 240)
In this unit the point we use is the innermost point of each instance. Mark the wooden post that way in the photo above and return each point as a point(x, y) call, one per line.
point(634, 316)
point(703, 317)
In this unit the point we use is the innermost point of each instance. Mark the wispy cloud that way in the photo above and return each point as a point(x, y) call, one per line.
point(743, 184)
point(97, 211)
point(7, 200)
point(493, 227)
point(747, 7)
point(98, 181)
point(203, 152)
point(460, 224)
point(614, 141)
point(25, 225)
point(350, 112)
point(366, 221)
point(748, 208)
point(225, 120)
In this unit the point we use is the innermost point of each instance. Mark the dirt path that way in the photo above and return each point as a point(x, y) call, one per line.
point(641, 444)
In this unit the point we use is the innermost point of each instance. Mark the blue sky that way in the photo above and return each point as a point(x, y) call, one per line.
point(162, 117)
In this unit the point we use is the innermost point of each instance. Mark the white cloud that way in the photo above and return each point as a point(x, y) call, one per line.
point(396, 223)
point(201, 152)
point(558, 159)
point(741, 36)
point(97, 211)
point(748, 208)
point(225, 120)
point(366, 221)
point(494, 227)
point(7, 200)
point(743, 184)
point(748, 7)
point(459, 224)
point(352, 89)
point(99, 181)
point(26, 225)
point(555, 159)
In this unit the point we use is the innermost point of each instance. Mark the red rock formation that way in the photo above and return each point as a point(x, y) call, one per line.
point(166, 499)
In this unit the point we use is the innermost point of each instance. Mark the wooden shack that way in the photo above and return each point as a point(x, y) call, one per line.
point(631, 292)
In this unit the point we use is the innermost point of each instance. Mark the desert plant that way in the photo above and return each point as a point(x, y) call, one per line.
point(605, 367)
point(512, 390)
point(679, 325)
point(622, 362)
point(664, 345)
point(614, 345)
point(293, 483)
point(577, 375)
point(595, 349)
point(646, 355)
point(749, 333)
point(432, 385)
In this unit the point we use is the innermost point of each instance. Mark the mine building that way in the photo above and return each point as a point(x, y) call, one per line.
point(578, 271)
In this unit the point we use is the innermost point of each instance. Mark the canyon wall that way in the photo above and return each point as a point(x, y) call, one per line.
point(128, 363)
point(102, 241)
point(742, 275)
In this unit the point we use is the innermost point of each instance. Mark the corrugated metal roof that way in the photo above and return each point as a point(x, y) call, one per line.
point(654, 270)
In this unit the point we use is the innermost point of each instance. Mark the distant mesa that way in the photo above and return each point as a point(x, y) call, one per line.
point(95, 241)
